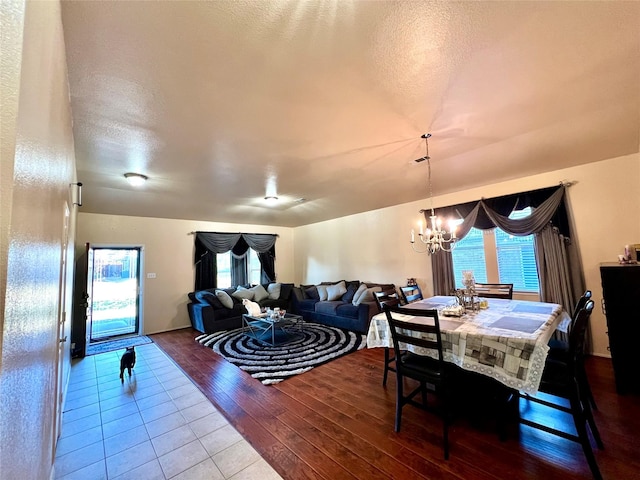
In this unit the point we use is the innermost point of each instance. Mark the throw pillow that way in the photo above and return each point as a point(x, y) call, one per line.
point(356, 296)
point(241, 293)
point(334, 292)
point(352, 288)
point(205, 296)
point(224, 298)
point(367, 296)
point(259, 293)
point(322, 292)
point(274, 290)
point(312, 293)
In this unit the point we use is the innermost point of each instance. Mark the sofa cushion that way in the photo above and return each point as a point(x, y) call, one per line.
point(241, 293)
point(259, 293)
point(322, 292)
point(224, 298)
point(307, 305)
point(225, 313)
point(347, 310)
point(327, 308)
point(209, 297)
point(335, 292)
point(285, 290)
point(274, 290)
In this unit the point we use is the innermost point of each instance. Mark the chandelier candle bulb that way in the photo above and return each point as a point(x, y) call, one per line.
point(413, 238)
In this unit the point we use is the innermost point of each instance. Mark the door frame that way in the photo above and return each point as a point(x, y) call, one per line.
point(63, 355)
point(140, 292)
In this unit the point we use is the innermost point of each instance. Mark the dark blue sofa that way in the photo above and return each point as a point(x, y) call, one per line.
point(341, 313)
point(208, 315)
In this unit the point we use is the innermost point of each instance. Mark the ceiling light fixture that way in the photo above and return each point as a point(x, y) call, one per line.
point(135, 179)
point(435, 238)
point(271, 199)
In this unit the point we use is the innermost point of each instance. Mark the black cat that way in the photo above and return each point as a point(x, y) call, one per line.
point(128, 360)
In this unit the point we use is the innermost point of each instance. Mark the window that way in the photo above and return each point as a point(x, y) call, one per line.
point(224, 269)
point(497, 257)
point(250, 262)
point(517, 258)
point(469, 255)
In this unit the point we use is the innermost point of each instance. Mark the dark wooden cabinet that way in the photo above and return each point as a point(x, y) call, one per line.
point(621, 295)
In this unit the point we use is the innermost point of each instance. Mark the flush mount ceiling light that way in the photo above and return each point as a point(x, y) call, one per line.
point(271, 199)
point(136, 179)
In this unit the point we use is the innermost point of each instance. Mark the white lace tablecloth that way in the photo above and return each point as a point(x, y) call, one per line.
point(507, 341)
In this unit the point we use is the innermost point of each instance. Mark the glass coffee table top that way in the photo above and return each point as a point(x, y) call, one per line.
point(273, 330)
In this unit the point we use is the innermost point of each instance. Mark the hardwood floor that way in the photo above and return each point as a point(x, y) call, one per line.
point(336, 422)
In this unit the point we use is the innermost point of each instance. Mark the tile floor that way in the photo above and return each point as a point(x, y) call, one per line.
point(157, 425)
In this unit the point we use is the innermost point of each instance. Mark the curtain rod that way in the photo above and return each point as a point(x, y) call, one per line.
point(562, 183)
point(239, 233)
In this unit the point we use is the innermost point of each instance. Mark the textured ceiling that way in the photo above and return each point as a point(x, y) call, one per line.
point(221, 103)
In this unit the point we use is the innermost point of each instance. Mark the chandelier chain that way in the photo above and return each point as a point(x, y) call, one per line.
point(435, 238)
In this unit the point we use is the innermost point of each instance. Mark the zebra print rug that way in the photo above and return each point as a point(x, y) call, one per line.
point(317, 344)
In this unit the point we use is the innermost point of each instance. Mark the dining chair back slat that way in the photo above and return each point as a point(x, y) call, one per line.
point(411, 293)
point(419, 328)
point(495, 290)
point(391, 299)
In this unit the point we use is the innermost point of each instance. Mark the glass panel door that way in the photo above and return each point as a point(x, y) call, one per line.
point(115, 287)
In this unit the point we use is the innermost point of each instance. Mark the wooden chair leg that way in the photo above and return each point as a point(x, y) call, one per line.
point(592, 424)
point(399, 401)
point(586, 388)
point(386, 366)
point(581, 427)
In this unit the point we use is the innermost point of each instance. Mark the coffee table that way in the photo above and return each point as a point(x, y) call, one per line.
point(273, 331)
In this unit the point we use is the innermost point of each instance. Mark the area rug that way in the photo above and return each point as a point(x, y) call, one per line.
point(318, 344)
point(121, 343)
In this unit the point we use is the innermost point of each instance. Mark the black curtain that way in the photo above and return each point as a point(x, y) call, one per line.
point(209, 244)
point(547, 204)
point(268, 263)
point(206, 267)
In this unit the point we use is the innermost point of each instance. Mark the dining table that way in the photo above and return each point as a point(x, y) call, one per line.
point(507, 340)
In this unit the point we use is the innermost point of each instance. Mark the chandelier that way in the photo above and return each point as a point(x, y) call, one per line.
point(434, 238)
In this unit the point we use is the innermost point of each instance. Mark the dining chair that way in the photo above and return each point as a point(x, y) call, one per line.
point(495, 290)
point(391, 299)
point(431, 373)
point(411, 293)
point(560, 378)
point(559, 349)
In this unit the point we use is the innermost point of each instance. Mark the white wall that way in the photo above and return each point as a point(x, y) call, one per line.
point(168, 250)
point(374, 246)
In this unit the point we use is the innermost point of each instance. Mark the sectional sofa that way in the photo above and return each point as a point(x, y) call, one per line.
point(344, 304)
point(219, 309)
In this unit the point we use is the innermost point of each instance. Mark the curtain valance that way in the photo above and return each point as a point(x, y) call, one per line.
point(547, 204)
point(238, 243)
point(209, 244)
